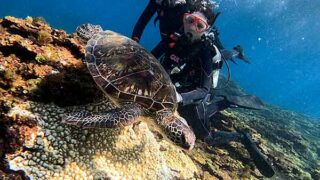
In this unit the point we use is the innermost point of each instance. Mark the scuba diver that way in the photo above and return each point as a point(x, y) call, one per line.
point(169, 14)
point(189, 53)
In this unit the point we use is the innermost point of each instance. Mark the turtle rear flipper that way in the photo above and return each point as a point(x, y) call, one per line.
point(113, 118)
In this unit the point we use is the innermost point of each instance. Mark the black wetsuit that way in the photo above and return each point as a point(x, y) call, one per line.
point(190, 68)
point(170, 19)
point(191, 72)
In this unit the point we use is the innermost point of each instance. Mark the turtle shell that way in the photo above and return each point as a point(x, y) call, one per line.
point(126, 72)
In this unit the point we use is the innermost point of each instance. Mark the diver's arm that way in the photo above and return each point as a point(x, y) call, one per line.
point(193, 96)
point(201, 92)
point(159, 50)
point(143, 20)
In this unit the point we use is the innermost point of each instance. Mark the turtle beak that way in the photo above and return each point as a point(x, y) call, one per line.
point(188, 139)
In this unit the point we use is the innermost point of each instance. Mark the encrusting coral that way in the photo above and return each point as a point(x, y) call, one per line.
point(58, 151)
point(42, 77)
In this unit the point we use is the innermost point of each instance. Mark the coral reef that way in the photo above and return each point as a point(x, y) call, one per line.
point(42, 77)
point(57, 151)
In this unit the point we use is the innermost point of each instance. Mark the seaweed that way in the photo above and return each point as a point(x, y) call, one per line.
point(44, 37)
point(39, 20)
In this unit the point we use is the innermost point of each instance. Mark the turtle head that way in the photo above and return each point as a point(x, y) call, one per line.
point(86, 31)
point(187, 137)
point(178, 131)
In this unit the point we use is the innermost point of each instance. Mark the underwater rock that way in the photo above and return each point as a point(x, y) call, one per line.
point(42, 77)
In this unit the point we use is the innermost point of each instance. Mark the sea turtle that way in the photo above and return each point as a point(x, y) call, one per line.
point(134, 81)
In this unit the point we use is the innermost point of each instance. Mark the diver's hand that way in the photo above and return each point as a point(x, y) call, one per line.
point(179, 97)
point(209, 38)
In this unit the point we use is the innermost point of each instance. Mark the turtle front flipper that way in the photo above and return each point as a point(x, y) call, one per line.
point(114, 118)
point(176, 128)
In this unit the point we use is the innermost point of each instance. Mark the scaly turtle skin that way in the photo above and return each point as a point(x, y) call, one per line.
point(134, 81)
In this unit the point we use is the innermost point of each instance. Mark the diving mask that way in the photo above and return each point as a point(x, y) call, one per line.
point(195, 22)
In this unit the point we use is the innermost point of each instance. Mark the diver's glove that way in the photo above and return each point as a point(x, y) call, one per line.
point(209, 38)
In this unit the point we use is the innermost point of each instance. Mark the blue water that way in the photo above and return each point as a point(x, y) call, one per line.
point(281, 37)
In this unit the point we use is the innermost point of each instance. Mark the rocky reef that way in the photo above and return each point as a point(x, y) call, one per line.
point(42, 77)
